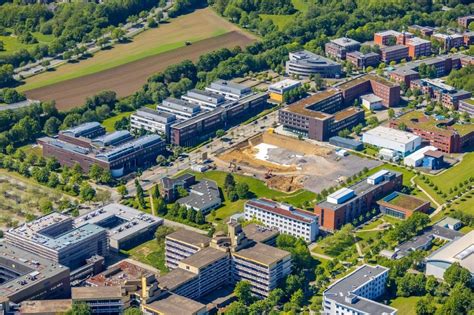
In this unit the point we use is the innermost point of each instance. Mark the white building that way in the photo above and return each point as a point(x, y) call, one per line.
point(230, 90)
point(152, 121)
point(181, 108)
point(207, 100)
point(460, 250)
point(416, 158)
point(388, 155)
point(371, 101)
point(393, 139)
point(284, 217)
point(354, 294)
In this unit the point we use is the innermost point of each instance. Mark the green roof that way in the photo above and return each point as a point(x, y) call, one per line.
point(430, 124)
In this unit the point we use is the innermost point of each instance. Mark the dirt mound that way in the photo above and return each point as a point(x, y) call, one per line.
point(286, 183)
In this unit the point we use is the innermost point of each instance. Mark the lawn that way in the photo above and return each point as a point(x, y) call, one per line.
point(12, 44)
point(199, 25)
point(110, 122)
point(405, 305)
point(151, 253)
point(282, 20)
point(257, 189)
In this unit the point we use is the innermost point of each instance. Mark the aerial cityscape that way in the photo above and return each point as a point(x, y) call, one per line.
point(236, 157)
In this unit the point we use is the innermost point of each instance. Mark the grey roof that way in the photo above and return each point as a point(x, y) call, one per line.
point(83, 129)
point(344, 287)
point(65, 145)
point(204, 257)
point(133, 221)
point(448, 221)
point(30, 268)
point(173, 304)
point(189, 237)
point(113, 138)
point(345, 42)
point(359, 189)
point(169, 182)
point(182, 106)
point(155, 115)
point(393, 48)
point(205, 96)
point(129, 147)
point(202, 195)
point(305, 57)
point(230, 87)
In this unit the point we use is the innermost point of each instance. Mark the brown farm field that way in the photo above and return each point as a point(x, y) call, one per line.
point(126, 67)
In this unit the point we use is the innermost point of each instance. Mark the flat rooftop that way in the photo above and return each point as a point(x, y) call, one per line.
point(119, 273)
point(175, 278)
point(344, 287)
point(460, 250)
point(391, 134)
point(404, 201)
point(282, 209)
point(301, 106)
point(345, 42)
point(121, 221)
point(345, 113)
point(262, 254)
point(259, 233)
point(204, 257)
point(190, 238)
point(99, 293)
point(28, 267)
point(283, 84)
point(173, 304)
point(45, 306)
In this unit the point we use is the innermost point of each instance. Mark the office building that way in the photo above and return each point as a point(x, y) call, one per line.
point(305, 64)
point(371, 101)
point(261, 233)
point(356, 292)
point(339, 47)
point(457, 251)
point(447, 95)
point(393, 53)
point(277, 90)
point(205, 99)
point(180, 108)
point(25, 276)
point(53, 237)
point(170, 185)
point(386, 38)
point(203, 196)
point(449, 41)
point(361, 61)
point(126, 227)
point(425, 31)
point(404, 75)
point(402, 206)
point(153, 121)
point(225, 260)
point(204, 126)
point(117, 152)
point(464, 21)
point(287, 219)
point(443, 134)
point(101, 300)
point(182, 244)
point(346, 204)
point(468, 38)
point(393, 139)
point(320, 116)
point(467, 106)
point(230, 90)
point(418, 47)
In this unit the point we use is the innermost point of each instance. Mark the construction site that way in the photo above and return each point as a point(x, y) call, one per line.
point(288, 164)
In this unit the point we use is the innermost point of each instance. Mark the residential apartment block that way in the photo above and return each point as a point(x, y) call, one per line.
point(346, 204)
point(226, 260)
point(339, 47)
point(285, 218)
point(356, 292)
point(182, 244)
point(304, 63)
point(447, 95)
point(385, 38)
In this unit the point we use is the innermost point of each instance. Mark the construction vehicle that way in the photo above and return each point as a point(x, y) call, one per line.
point(268, 174)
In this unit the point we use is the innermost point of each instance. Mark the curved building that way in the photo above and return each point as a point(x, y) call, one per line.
point(305, 64)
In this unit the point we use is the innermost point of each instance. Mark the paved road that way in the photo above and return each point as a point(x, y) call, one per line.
point(17, 105)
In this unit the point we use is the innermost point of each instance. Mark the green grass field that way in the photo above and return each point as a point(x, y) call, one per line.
point(282, 20)
point(199, 25)
point(11, 43)
point(405, 305)
point(256, 187)
point(110, 122)
point(151, 253)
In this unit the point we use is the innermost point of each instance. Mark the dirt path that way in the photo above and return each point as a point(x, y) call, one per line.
point(128, 78)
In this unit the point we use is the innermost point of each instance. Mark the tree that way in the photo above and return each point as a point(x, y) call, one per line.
point(191, 215)
point(103, 196)
point(51, 126)
point(155, 192)
point(182, 192)
point(133, 311)
point(87, 193)
point(297, 298)
point(242, 190)
point(118, 34)
point(344, 133)
point(79, 308)
point(151, 22)
point(200, 219)
point(45, 205)
point(459, 301)
point(391, 113)
point(243, 293)
point(425, 306)
point(122, 190)
point(160, 160)
point(229, 182)
point(237, 308)
point(220, 133)
point(411, 284)
point(456, 274)
point(95, 172)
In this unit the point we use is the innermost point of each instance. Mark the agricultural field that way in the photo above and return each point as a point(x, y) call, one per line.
point(11, 43)
point(282, 20)
point(126, 67)
point(20, 199)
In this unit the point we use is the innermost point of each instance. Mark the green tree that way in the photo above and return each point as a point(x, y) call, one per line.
point(237, 308)
point(160, 160)
point(242, 190)
point(200, 219)
point(220, 133)
point(51, 126)
point(243, 293)
point(45, 205)
point(87, 193)
point(133, 311)
point(425, 306)
point(79, 308)
point(411, 284)
point(229, 182)
point(391, 113)
point(457, 274)
point(122, 190)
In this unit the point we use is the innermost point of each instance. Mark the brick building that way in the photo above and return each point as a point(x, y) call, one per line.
point(464, 21)
point(449, 41)
point(425, 31)
point(339, 47)
point(447, 95)
point(394, 53)
point(418, 47)
point(402, 206)
point(360, 60)
point(346, 204)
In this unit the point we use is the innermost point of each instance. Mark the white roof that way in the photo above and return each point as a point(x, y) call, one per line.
point(445, 36)
point(393, 135)
point(388, 33)
point(419, 154)
point(460, 250)
point(372, 98)
point(417, 41)
point(285, 83)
